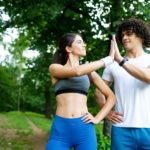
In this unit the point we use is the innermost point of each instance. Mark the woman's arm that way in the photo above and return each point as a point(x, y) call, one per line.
point(100, 98)
point(113, 116)
point(60, 71)
point(64, 71)
point(109, 96)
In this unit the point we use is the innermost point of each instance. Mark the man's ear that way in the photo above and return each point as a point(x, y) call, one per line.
point(68, 49)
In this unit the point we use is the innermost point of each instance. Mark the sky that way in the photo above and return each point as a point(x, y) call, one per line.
point(9, 36)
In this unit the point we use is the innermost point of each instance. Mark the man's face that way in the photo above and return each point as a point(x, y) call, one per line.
point(130, 40)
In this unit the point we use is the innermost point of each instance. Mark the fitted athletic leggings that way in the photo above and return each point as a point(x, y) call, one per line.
point(71, 132)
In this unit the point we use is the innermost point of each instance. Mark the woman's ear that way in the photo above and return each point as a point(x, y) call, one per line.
point(68, 49)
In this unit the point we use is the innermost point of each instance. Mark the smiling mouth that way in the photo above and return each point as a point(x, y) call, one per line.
point(125, 43)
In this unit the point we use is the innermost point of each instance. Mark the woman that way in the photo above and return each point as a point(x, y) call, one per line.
point(73, 125)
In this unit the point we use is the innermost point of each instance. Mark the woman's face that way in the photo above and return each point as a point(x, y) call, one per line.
point(78, 46)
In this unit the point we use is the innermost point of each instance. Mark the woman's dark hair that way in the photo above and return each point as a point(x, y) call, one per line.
point(137, 26)
point(61, 55)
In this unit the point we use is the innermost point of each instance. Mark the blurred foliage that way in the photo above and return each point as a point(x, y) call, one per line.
point(103, 141)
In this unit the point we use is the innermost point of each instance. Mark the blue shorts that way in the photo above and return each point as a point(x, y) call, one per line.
point(71, 132)
point(123, 138)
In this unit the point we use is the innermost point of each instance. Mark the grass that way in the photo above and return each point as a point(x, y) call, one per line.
point(16, 124)
point(40, 121)
point(15, 144)
point(16, 120)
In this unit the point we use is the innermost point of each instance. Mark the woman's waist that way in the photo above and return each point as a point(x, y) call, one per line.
point(71, 96)
point(71, 112)
point(71, 101)
point(71, 105)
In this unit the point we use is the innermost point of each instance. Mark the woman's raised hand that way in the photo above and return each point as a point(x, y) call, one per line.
point(112, 50)
point(117, 55)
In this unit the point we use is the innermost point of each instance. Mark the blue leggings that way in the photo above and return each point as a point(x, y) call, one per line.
point(130, 138)
point(71, 132)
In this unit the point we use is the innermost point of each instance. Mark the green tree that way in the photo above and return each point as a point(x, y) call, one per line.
point(8, 88)
point(41, 23)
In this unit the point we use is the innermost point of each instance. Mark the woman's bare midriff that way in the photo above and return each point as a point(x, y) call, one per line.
point(71, 105)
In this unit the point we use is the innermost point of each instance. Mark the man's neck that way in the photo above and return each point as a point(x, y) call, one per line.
point(135, 53)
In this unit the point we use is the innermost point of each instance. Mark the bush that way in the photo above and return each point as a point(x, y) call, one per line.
point(103, 141)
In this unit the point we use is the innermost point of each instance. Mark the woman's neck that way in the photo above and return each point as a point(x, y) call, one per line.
point(72, 61)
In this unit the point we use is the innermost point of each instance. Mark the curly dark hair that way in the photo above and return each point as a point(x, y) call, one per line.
point(137, 26)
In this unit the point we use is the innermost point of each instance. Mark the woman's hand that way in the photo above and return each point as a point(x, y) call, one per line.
point(112, 50)
point(88, 118)
point(117, 55)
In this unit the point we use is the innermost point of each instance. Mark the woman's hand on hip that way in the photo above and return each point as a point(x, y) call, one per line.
point(89, 118)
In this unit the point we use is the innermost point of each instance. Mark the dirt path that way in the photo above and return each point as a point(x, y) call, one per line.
point(39, 138)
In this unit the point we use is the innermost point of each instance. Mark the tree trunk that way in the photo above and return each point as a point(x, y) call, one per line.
point(107, 127)
point(114, 18)
point(48, 107)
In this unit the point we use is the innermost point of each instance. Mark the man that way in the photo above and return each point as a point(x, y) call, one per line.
point(131, 77)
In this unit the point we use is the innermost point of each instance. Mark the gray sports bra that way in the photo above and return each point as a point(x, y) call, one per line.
point(73, 85)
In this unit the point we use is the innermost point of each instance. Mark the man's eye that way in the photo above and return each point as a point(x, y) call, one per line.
point(129, 33)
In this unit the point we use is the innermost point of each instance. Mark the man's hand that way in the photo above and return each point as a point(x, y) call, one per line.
point(115, 117)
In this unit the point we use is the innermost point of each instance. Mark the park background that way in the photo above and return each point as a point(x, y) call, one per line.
point(29, 35)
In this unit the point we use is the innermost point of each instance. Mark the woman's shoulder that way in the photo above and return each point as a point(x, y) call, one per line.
point(54, 66)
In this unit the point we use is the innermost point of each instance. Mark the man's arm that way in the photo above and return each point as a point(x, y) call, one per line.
point(138, 72)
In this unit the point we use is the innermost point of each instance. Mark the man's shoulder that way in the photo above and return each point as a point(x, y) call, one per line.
point(112, 67)
point(146, 56)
